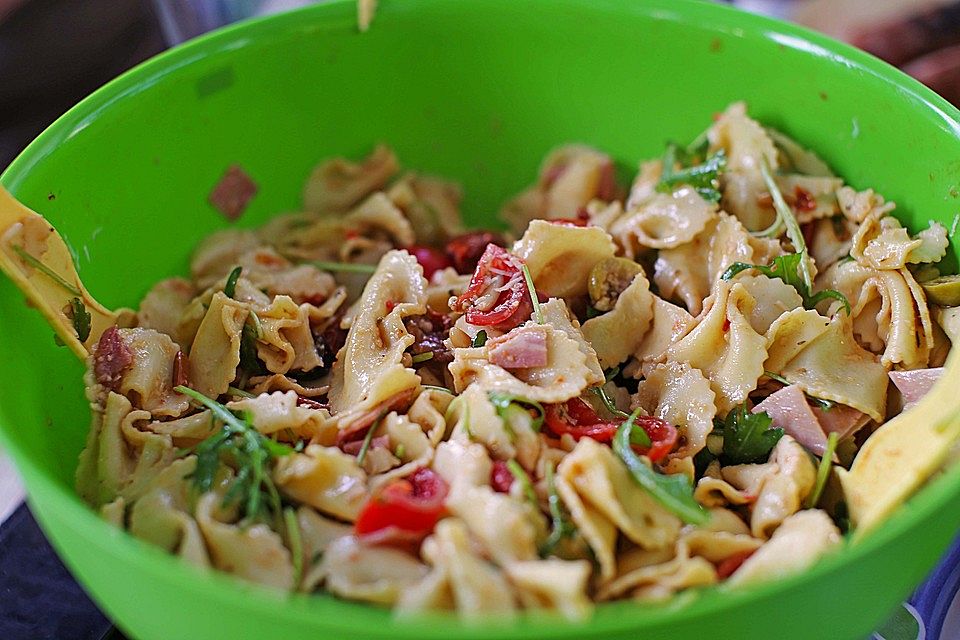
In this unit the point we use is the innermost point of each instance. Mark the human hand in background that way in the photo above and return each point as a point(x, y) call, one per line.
point(926, 45)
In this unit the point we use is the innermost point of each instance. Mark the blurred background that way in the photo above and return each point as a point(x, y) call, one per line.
point(54, 52)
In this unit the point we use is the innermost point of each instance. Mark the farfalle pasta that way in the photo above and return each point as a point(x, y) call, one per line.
point(640, 392)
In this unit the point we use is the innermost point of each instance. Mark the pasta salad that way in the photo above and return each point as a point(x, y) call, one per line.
point(630, 394)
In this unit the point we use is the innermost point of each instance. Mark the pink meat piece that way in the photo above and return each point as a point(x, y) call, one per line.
point(111, 358)
point(789, 410)
point(915, 384)
point(233, 192)
point(840, 419)
point(353, 448)
point(521, 348)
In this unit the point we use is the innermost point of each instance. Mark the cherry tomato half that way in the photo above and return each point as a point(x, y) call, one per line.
point(577, 418)
point(512, 305)
point(432, 260)
point(412, 505)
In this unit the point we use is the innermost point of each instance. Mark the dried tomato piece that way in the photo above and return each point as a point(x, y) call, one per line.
point(466, 250)
point(803, 200)
point(233, 192)
point(111, 358)
point(412, 505)
point(497, 295)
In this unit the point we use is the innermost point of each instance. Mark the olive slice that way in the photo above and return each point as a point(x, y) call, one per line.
point(944, 291)
point(608, 279)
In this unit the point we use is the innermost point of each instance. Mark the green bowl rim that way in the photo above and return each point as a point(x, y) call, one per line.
point(725, 20)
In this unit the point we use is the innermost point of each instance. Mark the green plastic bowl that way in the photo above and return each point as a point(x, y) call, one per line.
point(478, 91)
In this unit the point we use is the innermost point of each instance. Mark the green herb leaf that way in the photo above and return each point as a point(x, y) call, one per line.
point(748, 437)
point(788, 268)
point(367, 439)
point(240, 392)
point(230, 288)
point(785, 215)
point(526, 486)
point(672, 491)
point(45, 270)
point(344, 267)
point(422, 357)
point(502, 401)
point(704, 178)
point(480, 339)
point(826, 405)
point(561, 527)
point(247, 450)
point(81, 319)
point(537, 313)
point(249, 360)
point(823, 471)
point(296, 544)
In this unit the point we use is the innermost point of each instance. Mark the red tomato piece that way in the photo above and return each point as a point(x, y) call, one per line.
point(411, 505)
point(466, 249)
point(432, 260)
point(512, 305)
point(500, 477)
point(579, 419)
point(726, 567)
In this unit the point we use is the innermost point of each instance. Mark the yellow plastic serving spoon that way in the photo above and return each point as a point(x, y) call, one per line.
point(38, 261)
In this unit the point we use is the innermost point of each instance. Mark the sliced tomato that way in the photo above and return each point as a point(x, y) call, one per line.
point(512, 305)
point(411, 505)
point(577, 418)
point(432, 260)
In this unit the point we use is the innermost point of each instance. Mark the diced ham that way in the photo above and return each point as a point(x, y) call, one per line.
point(840, 419)
point(915, 384)
point(521, 348)
point(233, 192)
point(789, 410)
point(353, 448)
point(111, 358)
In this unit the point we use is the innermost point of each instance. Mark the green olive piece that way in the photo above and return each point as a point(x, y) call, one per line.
point(608, 279)
point(944, 291)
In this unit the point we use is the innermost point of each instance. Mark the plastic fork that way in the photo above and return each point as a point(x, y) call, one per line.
point(36, 258)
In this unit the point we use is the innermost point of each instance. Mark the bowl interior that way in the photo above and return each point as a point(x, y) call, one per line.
point(479, 91)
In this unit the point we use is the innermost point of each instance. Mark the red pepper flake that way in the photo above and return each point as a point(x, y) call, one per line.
point(726, 325)
point(391, 305)
point(351, 234)
point(803, 200)
point(233, 192)
point(181, 370)
point(111, 358)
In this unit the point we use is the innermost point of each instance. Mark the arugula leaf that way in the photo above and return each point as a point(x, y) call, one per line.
point(296, 544)
point(788, 269)
point(502, 401)
point(748, 437)
point(251, 332)
point(823, 471)
point(537, 313)
point(230, 287)
point(826, 405)
point(480, 339)
point(45, 270)
point(248, 451)
point(704, 177)
point(526, 486)
point(675, 492)
point(81, 319)
point(562, 527)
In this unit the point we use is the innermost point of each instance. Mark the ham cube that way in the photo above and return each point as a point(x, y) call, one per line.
point(521, 348)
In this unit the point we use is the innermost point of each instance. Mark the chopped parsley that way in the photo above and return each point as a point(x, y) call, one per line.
point(748, 437)
point(480, 339)
point(81, 319)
